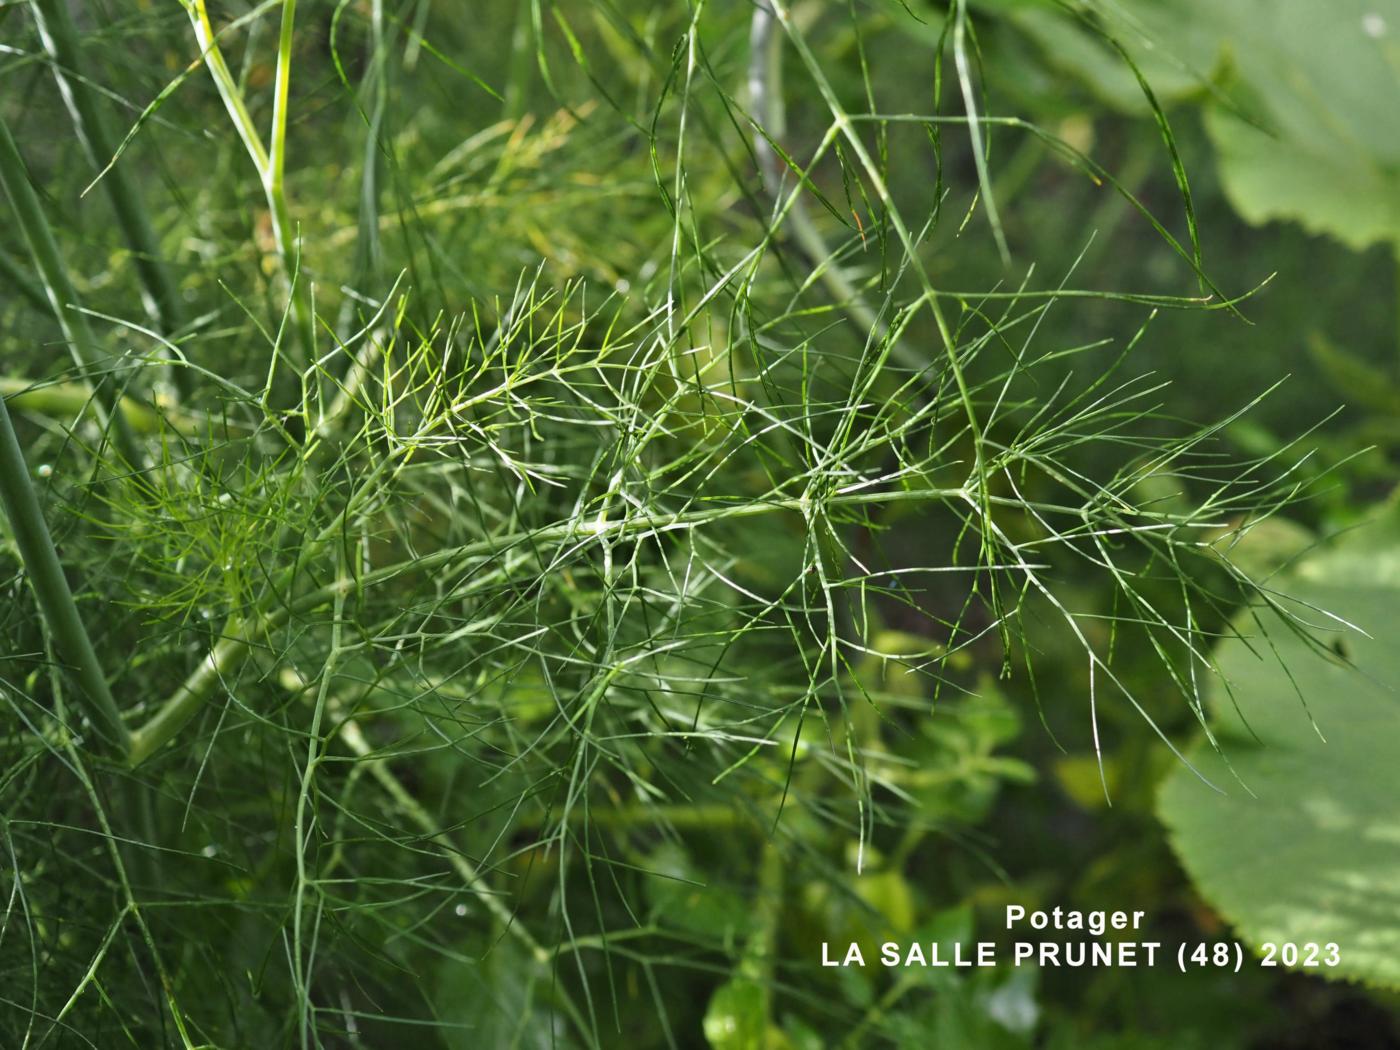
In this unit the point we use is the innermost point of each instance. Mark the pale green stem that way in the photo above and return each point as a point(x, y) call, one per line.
point(305, 816)
point(227, 86)
point(368, 251)
point(190, 696)
point(113, 839)
point(276, 190)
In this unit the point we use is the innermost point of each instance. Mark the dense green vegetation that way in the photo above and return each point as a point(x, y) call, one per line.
point(524, 520)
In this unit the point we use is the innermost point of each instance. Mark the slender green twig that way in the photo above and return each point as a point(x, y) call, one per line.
point(354, 739)
point(270, 163)
point(116, 846)
point(61, 41)
point(46, 576)
point(58, 288)
point(274, 179)
point(304, 821)
point(766, 97)
point(841, 122)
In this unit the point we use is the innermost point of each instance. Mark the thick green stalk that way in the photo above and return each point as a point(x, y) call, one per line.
point(59, 400)
point(188, 698)
point(61, 41)
point(41, 564)
point(226, 85)
point(521, 64)
point(368, 255)
point(59, 290)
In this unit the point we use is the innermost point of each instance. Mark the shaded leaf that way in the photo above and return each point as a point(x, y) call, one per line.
point(1313, 854)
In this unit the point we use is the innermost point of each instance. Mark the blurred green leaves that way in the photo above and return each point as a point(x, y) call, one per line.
point(1298, 97)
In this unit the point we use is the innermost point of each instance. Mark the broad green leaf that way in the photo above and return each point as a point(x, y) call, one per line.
point(1302, 98)
point(1301, 843)
point(1325, 80)
point(1320, 184)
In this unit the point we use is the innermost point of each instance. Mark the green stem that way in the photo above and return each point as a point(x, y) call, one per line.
point(58, 289)
point(240, 637)
point(20, 281)
point(843, 124)
point(189, 697)
point(767, 912)
point(271, 164)
point(61, 41)
point(305, 820)
point(521, 64)
point(766, 97)
point(227, 86)
point(65, 400)
point(45, 574)
point(276, 188)
point(368, 253)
